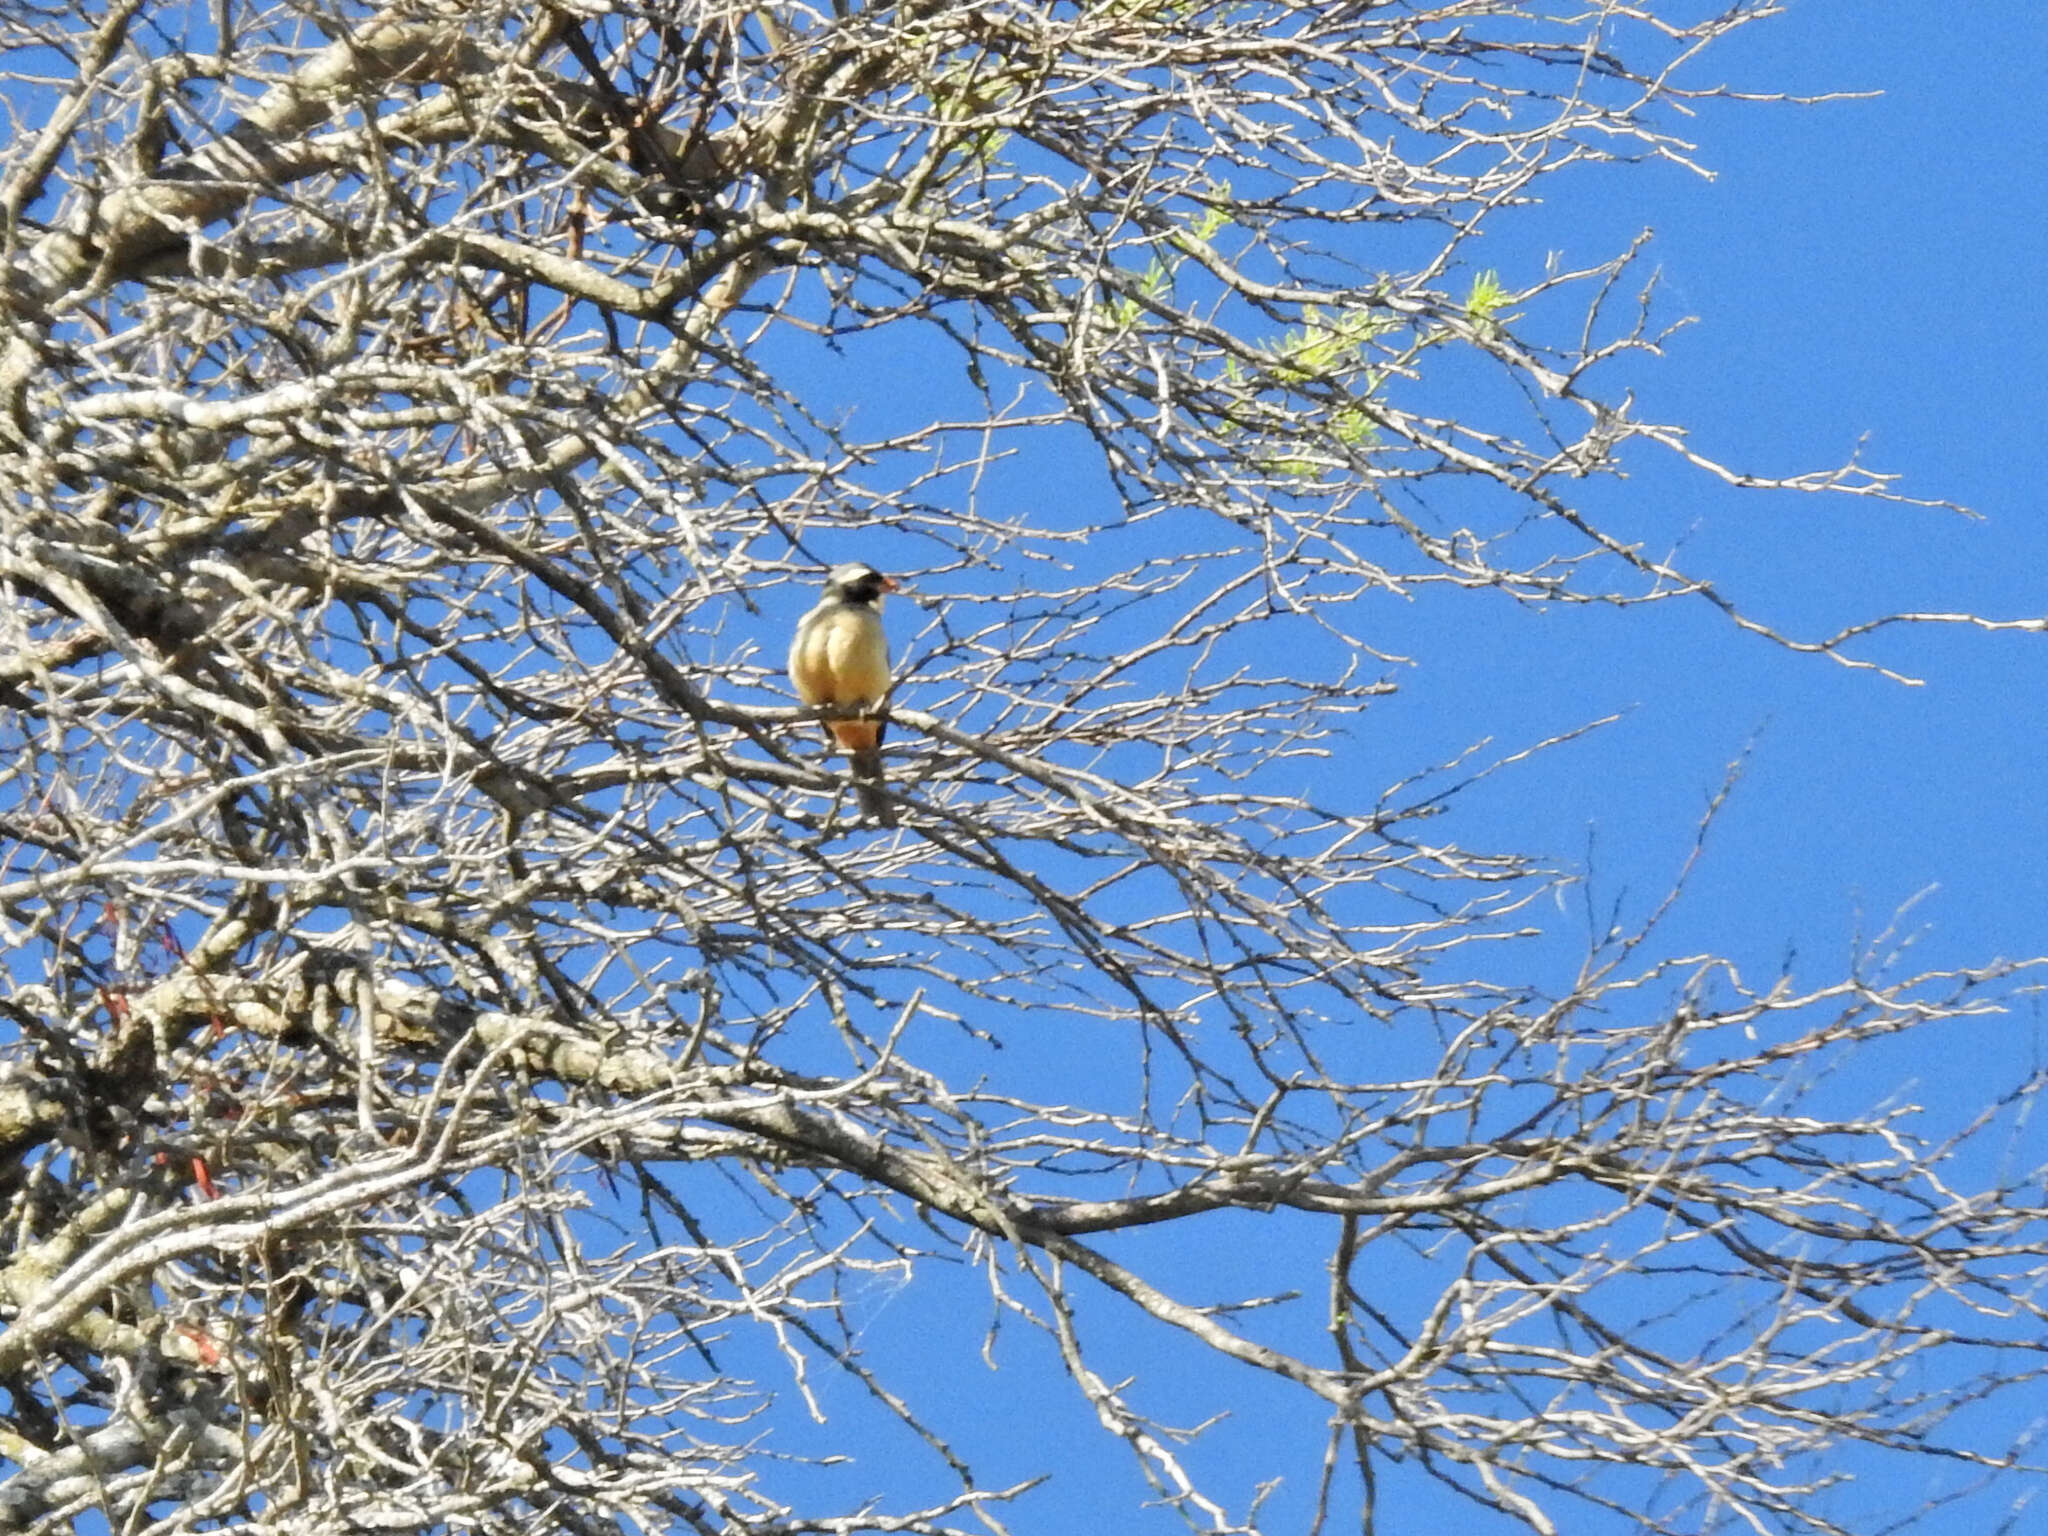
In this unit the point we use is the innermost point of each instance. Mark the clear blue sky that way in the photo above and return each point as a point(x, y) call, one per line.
point(1861, 271)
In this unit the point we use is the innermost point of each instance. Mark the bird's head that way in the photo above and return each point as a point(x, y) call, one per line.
point(858, 582)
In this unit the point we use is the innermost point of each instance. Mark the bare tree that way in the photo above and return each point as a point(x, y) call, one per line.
point(473, 1065)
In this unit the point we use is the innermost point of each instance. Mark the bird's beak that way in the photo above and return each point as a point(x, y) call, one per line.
point(891, 584)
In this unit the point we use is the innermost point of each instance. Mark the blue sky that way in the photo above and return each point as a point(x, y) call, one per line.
point(1861, 271)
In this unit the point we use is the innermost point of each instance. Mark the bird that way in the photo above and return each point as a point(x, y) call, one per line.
point(840, 657)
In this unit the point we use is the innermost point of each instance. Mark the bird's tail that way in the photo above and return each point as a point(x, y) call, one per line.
point(867, 783)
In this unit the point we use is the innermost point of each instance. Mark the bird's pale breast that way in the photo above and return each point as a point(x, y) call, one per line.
point(841, 656)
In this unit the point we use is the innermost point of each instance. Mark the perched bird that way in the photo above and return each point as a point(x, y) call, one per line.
point(841, 657)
